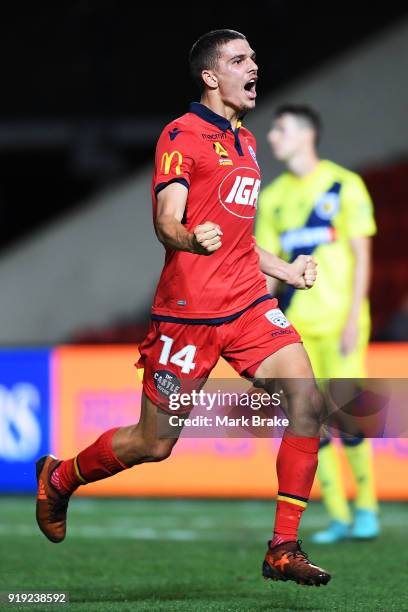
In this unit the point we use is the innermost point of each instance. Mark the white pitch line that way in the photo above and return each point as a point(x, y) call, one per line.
point(151, 533)
point(140, 533)
point(129, 522)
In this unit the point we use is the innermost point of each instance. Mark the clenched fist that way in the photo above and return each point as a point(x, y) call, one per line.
point(304, 272)
point(206, 238)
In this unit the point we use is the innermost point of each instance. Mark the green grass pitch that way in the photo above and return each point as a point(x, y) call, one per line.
point(193, 555)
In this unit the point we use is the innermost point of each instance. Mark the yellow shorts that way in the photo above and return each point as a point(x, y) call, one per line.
point(327, 360)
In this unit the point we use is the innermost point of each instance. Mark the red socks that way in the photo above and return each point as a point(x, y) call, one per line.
point(296, 468)
point(96, 462)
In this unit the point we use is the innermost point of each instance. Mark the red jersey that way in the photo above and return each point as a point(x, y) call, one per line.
point(218, 167)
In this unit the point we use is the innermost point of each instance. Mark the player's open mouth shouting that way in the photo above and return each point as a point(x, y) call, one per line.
point(250, 88)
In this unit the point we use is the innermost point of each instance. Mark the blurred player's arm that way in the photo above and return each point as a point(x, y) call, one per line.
point(171, 204)
point(266, 234)
point(301, 273)
point(361, 248)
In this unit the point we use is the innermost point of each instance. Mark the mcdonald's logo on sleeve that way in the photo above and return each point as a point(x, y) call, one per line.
point(167, 160)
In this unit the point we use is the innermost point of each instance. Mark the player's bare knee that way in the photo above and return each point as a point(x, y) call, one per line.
point(316, 405)
point(306, 412)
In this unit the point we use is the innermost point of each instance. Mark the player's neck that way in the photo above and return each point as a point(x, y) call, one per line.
point(303, 164)
point(217, 106)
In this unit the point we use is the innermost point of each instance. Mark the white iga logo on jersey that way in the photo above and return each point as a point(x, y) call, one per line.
point(276, 317)
point(239, 190)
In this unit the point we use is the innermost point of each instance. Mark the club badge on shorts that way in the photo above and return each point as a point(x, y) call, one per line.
point(276, 317)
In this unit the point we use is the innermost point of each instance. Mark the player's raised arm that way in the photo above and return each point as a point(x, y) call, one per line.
point(301, 273)
point(171, 203)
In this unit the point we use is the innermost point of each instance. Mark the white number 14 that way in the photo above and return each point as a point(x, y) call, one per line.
point(183, 358)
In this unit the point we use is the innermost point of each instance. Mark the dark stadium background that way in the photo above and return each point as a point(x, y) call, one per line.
point(86, 87)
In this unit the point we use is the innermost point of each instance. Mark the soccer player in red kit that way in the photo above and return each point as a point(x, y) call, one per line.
point(211, 301)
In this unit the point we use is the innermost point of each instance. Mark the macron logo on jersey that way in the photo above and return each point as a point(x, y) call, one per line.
point(174, 132)
point(238, 192)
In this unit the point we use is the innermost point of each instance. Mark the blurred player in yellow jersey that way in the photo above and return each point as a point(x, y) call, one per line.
point(319, 207)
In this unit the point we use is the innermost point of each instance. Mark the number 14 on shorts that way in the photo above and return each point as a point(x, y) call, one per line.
point(184, 358)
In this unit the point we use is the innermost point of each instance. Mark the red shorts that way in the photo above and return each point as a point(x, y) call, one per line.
point(178, 357)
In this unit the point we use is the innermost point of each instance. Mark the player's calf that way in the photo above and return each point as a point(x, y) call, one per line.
point(147, 452)
point(139, 443)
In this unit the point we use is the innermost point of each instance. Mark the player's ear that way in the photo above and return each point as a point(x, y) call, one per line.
point(209, 78)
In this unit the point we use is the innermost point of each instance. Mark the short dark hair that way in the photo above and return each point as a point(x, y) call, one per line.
point(206, 51)
point(305, 113)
